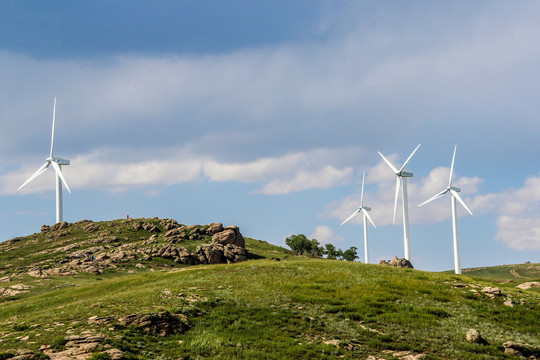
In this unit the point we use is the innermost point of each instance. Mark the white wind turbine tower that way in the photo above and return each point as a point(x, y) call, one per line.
point(454, 192)
point(401, 176)
point(57, 165)
point(364, 210)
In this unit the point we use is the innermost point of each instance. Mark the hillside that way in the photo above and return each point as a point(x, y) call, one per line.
point(139, 299)
point(517, 273)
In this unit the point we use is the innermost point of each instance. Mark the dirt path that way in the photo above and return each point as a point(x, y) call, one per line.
point(515, 273)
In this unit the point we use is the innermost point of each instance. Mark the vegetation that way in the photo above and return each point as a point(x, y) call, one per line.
point(291, 307)
point(300, 244)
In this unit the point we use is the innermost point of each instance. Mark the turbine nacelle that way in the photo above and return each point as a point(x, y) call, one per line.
point(365, 208)
point(405, 174)
point(59, 161)
point(456, 189)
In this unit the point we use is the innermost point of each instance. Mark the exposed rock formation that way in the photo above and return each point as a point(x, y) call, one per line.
point(517, 349)
point(82, 347)
point(160, 324)
point(528, 285)
point(492, 292)
point(396, 262)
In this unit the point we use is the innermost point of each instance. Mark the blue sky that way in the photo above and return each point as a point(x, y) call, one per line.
point(264, 114)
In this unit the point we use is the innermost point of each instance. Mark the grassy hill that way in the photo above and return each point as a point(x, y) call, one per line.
point(517, 273)
point(286, 308)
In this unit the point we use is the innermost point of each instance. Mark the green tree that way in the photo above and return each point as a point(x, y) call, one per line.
point(350, 254)
point(299, 243)
point(316, 250)
point(331, 251)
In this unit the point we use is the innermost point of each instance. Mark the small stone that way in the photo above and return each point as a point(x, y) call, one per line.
point(473, 336)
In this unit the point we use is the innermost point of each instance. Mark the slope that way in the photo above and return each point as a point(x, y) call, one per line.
point(258, 309)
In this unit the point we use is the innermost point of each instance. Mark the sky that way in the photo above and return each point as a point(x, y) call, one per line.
point(265, 115)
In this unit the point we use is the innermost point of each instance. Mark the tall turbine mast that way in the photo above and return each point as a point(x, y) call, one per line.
point(364, 210)
point(57, 166)
point(401, 177)
point(454, 196)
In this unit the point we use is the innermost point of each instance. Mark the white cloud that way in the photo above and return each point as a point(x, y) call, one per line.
point(325, 235)
point(103, 170)
point(518, 210)
point(303, 180)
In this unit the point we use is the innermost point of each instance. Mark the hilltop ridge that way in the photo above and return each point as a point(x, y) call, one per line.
point(94, 247)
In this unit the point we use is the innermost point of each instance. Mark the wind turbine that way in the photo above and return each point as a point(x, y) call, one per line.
point(454, 192)
point(402, 177)
point(57, 165)
point(364, 210)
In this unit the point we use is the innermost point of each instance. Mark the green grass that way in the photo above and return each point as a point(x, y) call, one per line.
point(294, 308)
point(288, 309)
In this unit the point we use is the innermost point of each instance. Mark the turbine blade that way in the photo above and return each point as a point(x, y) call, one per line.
point(409, 158)
point(369, 217)
point(53, 121)
point(59, 173)
point(392, 167)
point(442, 193)
point(362, 196)
point(452, 167)
point(40, 171)
point(351, 216)
point(456, 195)
point(396, 197)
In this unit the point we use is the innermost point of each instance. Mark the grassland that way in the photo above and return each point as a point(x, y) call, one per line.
point(294, 308)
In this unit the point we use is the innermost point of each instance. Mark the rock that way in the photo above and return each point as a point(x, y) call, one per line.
point(59, 226)
point(103, 320)
point(214, 228)
point(115, 354)
point(491, 292)
point(160, 324)
point(45, 228)
point(517, 349)
point(175, 232)
point(151, 228)
point(23, 354)
point(397, 262)
point(213, 253)
point(473, 336)
point(5, 279)
point(528, 285)
point(77, 347)
point(508, 302)
point(91, 227)
point(230, 235)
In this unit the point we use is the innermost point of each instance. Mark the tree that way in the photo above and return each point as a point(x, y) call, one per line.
point(331, 251)
point(316, 250)
point(298, 243)
point(350, 254)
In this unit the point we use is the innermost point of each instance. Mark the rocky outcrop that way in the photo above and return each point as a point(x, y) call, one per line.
point(89, 247)
point(522, 350)
point(528, 285)
point(491, 292)
point(230, 235)
point(160, 324)
point(397, 262)
point(82, 347)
